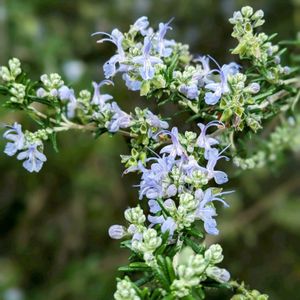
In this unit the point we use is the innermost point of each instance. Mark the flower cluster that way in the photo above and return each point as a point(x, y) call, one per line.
point(179, 178)
point(138, 52)
point(12, 71)
point(164, 68)
point(29, 147)
point(92, 110)
point(174, 187)
point(257, 46)
point(125, 291)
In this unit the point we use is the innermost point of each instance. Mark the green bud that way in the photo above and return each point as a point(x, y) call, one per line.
point(125, 291)
point(143, 129)
point(239, 111)
point(227, 113)
point(248, 27)
point(145, 88)
point(158, 82)
point(134, 153)
point(15, 67)
point(143, 156)
point(214, 254)
point(259, 14)
point(135, 215)
point(258, 23)
point(247, 11)
point(12, 71)
point(218, 274)
point(253, 123)
point(85, 96)
point(52, 81)
point(18, 93)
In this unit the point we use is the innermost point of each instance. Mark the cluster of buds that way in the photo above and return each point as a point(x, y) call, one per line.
point(257, 46)
point(192, 269)
point(12, 71)
point(125, 290)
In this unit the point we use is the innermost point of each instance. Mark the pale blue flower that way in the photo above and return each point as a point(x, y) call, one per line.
point(190, 166)
point(34, 159)
point(203, 75)
point(204, 60)
point(154, 183)
point(191, 91)
point(205, 141)
point(206, 212)
point(155, 121)
point(146, 60)
point(135, 232)
point(167, 224)
point(120, 119)
point(98, 98)
point(132, 84)
point(16, 139)
point(116, 37)
point(71, 105)
point(64, 93)
point(154, 220)
point(174, 149)
point(213, 156)
point(164, 47)
point(154, 206)
point(68, 95)
point(141, 25)
point(221, 87)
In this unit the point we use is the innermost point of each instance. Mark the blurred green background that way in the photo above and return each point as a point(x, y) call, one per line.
point(53, 225)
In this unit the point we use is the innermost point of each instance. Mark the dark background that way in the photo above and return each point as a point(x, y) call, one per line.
point(53, 225)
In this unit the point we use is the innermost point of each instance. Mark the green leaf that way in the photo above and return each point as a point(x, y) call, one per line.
point(53, 140)
point(199, 293)
point(195, 233)
point(198, 249)
point(272, 36)
point(135, 267)
point(290, 42)
point(172, 67)
point(99, 132)
point(144, 280)
point(161, 277)
point(170, 269)
point(156, 295)
point(41, 100)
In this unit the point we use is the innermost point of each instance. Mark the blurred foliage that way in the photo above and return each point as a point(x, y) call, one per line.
point(54, 243)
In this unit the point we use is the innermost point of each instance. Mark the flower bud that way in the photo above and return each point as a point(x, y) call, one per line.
point(218, 274)
point(259, 14)
point(135, 215)
point(286, 70)
point(117, 232)
point(247, 11)
point(214, 254)
point(15, 67)
point(253, 88)
point(41, 93)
